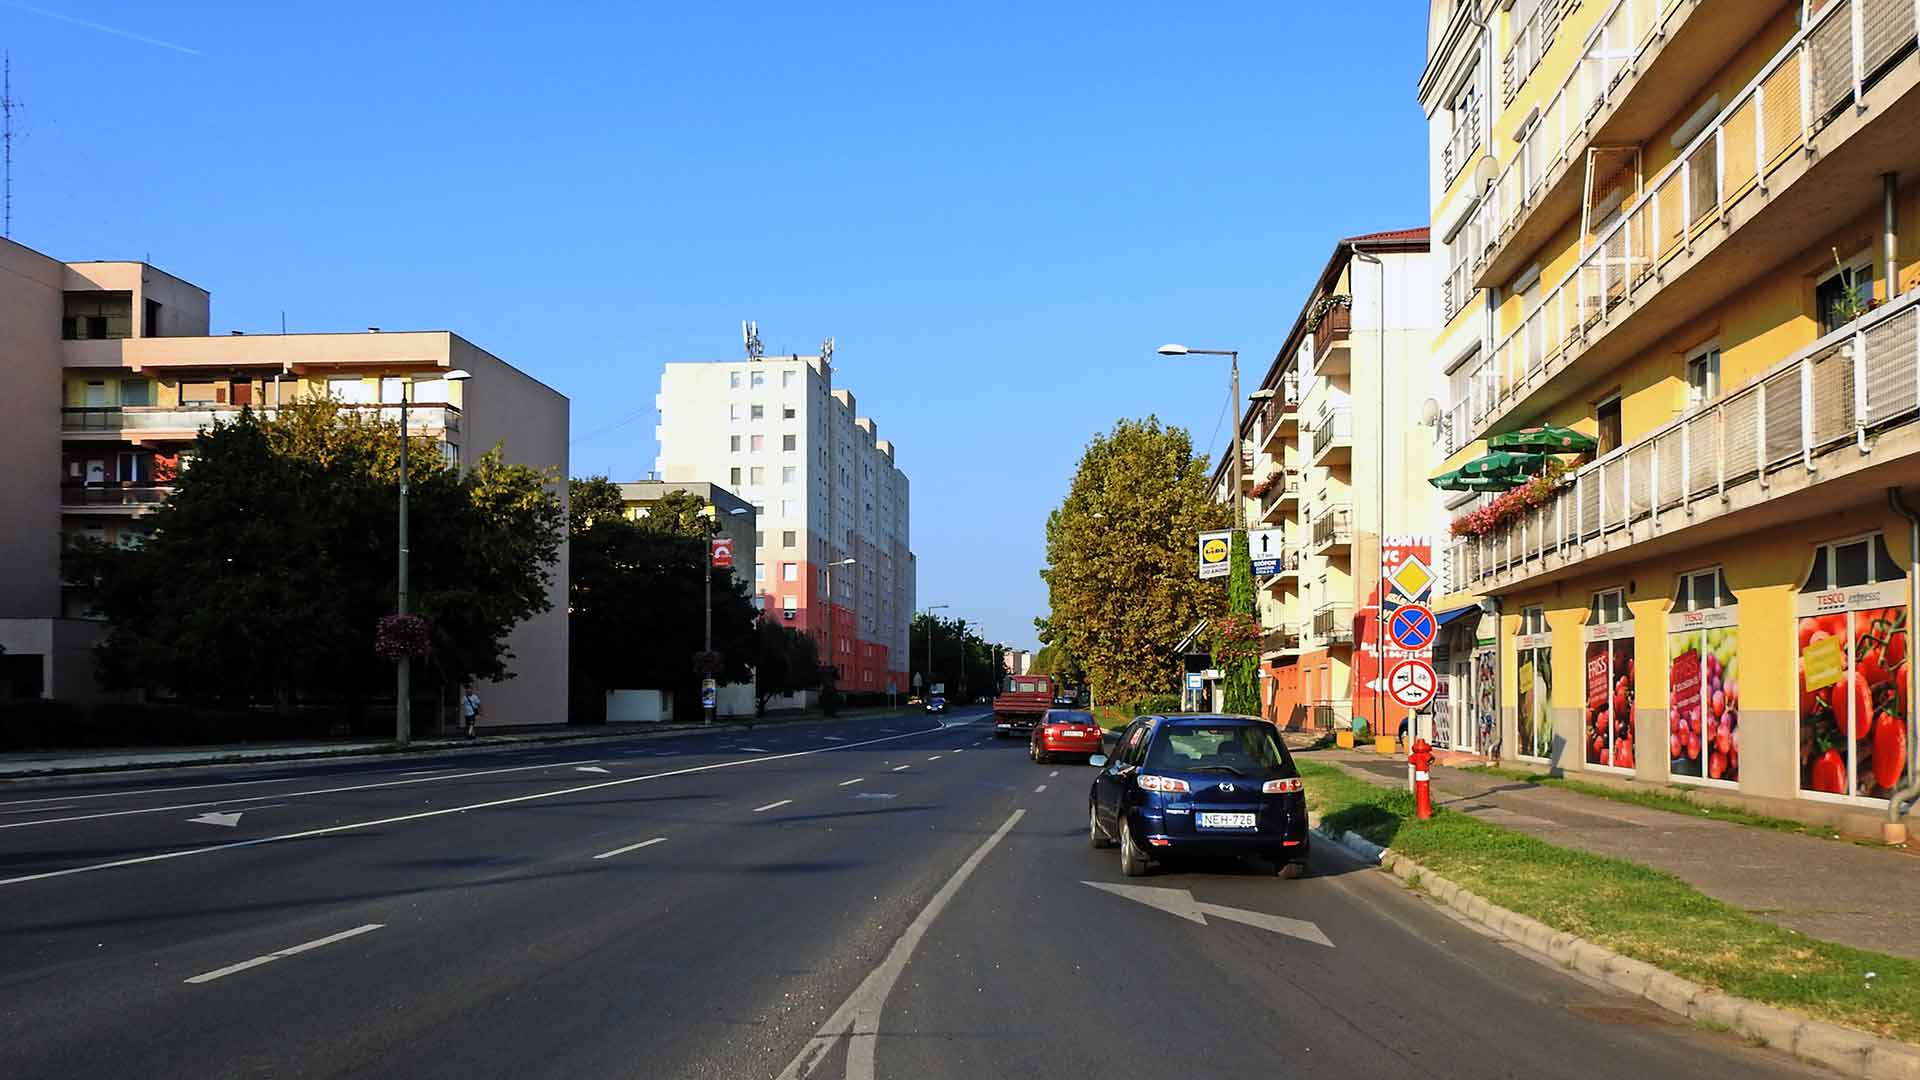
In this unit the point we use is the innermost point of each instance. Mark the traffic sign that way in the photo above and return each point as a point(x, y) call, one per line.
point(1216, 551)
point(1411, 579)
point(722, 552)
point(1265, 545)
point(1412, 627)
point(1412, 683)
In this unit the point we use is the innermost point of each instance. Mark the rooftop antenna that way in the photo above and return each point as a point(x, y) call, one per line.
point(750, 334)
point(826, 353)
point(6, 139)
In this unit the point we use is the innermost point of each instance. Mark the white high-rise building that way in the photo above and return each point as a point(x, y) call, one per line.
point(825, 488)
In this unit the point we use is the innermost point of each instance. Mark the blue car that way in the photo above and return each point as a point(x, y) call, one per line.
point(1202, 786)
point(937, 704)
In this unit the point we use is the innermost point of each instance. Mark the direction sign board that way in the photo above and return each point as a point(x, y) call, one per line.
point(1411, 627)
point(1266, 545)
point(722, 552)
point(1412, 683)
point(1216, 551)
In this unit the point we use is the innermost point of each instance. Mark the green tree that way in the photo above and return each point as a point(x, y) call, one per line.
point(592, 499)
point(681, 513)
point(786, 661)
point(1121, 579)
point(1242, 668)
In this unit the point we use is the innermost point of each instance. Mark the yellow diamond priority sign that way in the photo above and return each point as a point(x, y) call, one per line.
point(1411, 579)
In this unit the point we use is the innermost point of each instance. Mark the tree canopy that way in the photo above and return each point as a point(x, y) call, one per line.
point(1121, 578)
point(963, 661)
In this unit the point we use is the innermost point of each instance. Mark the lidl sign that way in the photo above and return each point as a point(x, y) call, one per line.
point(1216, 553)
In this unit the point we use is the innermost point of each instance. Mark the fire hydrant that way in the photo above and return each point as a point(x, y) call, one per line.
point(1421, 758)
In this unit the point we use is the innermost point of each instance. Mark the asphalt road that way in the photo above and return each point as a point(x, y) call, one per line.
point(892, 897)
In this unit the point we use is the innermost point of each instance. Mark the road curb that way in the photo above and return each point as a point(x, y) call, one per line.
point(1849, 1052)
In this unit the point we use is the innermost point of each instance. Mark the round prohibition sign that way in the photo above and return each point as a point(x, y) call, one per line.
point(1411, 683)
point(1411, 626)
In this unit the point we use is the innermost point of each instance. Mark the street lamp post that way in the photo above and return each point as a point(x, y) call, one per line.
point(927, 689)
point(403, 672)
point(1234, 441)
point(833, 660)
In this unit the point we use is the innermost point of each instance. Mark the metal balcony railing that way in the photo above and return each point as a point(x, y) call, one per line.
point(1334, 527)
point(1333, 624)
point(1458, 288)
point(1460, 145)
point(1281, 638)
point(1843, 48)
point(113, 494)
point(143, 418)
point(1289, 563)
point(1531, 40)
point(1281, 486)
point(1456, 425)
point(1825, 399)
point(1335, 427)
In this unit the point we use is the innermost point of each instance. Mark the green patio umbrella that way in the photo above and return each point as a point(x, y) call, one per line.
point(1457, 480)
point(1548, 438)
point(1504, 464)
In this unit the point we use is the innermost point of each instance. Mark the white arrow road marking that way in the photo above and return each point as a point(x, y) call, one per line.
point(1180, 903)
point(221, 973)
point(631, 847)
point(588, 768)
point(858, 1018)
point(229, 820)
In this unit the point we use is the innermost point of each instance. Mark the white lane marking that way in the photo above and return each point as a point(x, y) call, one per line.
point(855, 780)
point(755, 749)
point(1040, 789)
point(37, 810)
point(772, 806)
point(631, 847)
point(833, 738)
point(221, 973)
point(282, 795)
point(378, 822)
point(901, 768)
point(1053, 774)
point(877, 795)
point(858, 1017)
point(960, 750)
point(589, 768)
point(422, 772)
point(936, 757)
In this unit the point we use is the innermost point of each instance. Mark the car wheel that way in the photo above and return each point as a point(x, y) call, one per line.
point(1096, 836)
point(1133, 861)
point(1293, 870)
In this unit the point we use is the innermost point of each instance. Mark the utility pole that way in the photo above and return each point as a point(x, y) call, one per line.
point(403, 676)
point(6, 140)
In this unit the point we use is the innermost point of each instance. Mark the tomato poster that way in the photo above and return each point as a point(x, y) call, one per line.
point(1853, 680)
point(1609, 713)
point(1534, 668)
point(1703, 695)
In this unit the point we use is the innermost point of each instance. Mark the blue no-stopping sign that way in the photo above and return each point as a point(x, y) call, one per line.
point(1412, 627)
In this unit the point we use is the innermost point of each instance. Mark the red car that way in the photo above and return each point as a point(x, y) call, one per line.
point(1064, 731)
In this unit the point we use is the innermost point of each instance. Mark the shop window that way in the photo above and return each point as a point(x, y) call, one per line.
point(1703, 680)
point(1607, 727)
point(1533, 667)
point(1853, 645)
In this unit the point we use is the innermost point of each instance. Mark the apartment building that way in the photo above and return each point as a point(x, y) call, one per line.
point(832, 505)
point(1337, 449)
point(1686, 231)
point(109, 372)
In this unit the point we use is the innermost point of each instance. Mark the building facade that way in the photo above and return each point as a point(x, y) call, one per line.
point(109, 373)
point(1688, 232)
point(733, 515)
point(825, 489)
point(1337, 452)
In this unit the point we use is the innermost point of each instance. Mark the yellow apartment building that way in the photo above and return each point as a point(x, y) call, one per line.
point(1689, 230)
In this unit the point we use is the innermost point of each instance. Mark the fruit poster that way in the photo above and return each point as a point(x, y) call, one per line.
point(1703, 703)
point(1534, 684)
point(1853, 680)
point(1608, 729)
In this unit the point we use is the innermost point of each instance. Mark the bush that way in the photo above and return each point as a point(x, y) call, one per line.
point(1158, 703)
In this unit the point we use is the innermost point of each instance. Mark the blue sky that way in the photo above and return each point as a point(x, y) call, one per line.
point(999, 210)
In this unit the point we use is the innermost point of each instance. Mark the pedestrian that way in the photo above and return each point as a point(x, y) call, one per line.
point(470, 711)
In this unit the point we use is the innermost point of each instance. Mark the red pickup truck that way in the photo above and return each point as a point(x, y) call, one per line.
point(1020, 704)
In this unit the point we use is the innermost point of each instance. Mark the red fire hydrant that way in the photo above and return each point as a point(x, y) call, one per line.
point(1421, 758)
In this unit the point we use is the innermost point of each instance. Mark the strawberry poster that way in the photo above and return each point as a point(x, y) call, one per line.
point(1853, 681)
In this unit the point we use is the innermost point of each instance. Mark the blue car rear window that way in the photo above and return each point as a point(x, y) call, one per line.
point(1244, 748)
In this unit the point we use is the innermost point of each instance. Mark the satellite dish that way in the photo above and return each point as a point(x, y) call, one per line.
point(1429, 412)
point(1485, 172)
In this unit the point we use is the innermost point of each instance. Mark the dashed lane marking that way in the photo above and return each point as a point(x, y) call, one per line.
point(631, 847)
point(231, 969)
point(772, 806)
point(855, 780)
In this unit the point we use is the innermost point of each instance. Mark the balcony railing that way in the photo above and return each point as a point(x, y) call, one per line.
point(1824, 400)
point(144, 418)
point(1289, 565)
point(1824, 67)
point(1460, 145)
point(1333, 624)
point(1333, 528)
point(1457, 427)
point(1625, 32)
point(1283, 485)
point(1458, 288)
point(1335, 324)
point(113, 494)
point(1334, 428)
point(1282, 638)
point(1531, 40)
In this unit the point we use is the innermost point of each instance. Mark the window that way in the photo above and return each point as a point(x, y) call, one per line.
point(213, 393)
point(759, 572)
point(789, 507)
point(789, 602)
point(756, 476)
point(786, 412)
point(1609, 416)
point(788, 538)
point(1843, 295)
point(136, 392)
point(1608, 728)
point(733, 443)
point(734, 412)
point(790, 443)
point(733, 476)
point(1852, 612)
point(789, 571)
point(390, 391)
point(759, 509)
point(134, 468)
point(789, 474)
point(93, 315)
point(1703, 377)
point(96, 394)
point(759, 379)
point(759, 412)
point(150, 326)
point(1703, 672)
point(787, 377)
point(733, 380)
point(757, 443)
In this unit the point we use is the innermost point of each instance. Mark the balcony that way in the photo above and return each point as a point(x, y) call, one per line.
point(115, 498)
point(1333, 624)
point(1460, 147)
point(1333, 530)
point(1280, 416)
point(1645, 61)
point(1799, 149)
point(1333, 437)
point(1332, 355)
point(164, 422)
point(1282, 640)
point(1289, 568)
point(1281, 497)
point(1838, 420)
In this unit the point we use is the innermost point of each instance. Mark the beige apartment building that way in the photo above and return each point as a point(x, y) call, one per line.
point(108, 371)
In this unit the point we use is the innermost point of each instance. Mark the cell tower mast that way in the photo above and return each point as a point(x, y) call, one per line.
point(6, 142)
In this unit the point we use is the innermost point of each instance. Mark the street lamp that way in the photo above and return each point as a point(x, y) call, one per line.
point(403, 674)
point(1234, 441)
point(928, 612)
point(709, 708)
point(833, 661)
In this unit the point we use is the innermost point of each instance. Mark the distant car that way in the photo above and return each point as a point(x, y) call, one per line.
point(1063, 731)
point(1065, 700)
point(936, 703)
point(1199, 785)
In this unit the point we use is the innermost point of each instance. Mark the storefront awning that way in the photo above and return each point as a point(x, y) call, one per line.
point(1442, 618)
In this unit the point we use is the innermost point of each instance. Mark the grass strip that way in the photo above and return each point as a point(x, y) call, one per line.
point(1670, 801)
point(1632, 909)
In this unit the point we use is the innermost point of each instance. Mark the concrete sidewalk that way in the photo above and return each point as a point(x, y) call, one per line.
point(39, 763)
point(1833, 890)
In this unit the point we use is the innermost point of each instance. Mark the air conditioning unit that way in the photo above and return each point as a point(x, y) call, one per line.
point(789, 615)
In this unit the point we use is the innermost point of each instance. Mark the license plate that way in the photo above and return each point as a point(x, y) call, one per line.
point(1228, 821)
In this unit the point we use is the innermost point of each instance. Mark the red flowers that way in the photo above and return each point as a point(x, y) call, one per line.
point(1512, 505)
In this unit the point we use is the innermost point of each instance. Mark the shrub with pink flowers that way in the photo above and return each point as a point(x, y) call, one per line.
point(396, 636)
